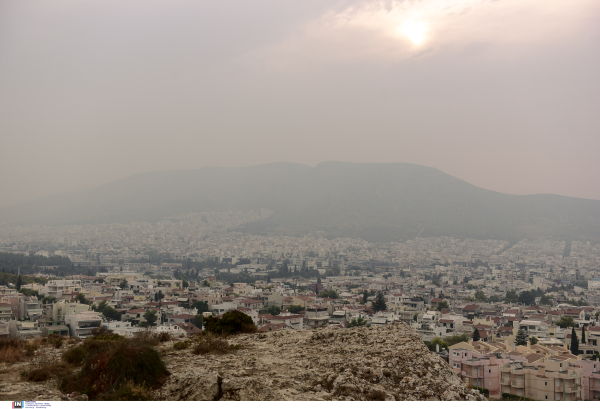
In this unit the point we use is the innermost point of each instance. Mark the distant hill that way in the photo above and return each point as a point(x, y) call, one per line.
point(377, 202)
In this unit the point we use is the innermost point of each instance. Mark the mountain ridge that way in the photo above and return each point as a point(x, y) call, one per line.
point(375, 201)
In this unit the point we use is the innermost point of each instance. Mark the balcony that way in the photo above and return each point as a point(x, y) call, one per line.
point(517, 384)
point(576, 388)
point(505, 381)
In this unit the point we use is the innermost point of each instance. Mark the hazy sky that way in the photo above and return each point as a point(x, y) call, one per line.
point(504, 94)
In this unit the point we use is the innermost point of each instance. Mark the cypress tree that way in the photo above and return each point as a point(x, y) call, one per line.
point(521, 338)
point(476, 336)
point(583, 334)
point(574, 343)
point(379, 303)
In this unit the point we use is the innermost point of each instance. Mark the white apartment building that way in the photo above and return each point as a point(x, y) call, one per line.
point(81, 325)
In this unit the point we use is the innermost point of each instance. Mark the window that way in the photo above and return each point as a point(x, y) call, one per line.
point(489, 371)
point(546, 384)
point(546, 397)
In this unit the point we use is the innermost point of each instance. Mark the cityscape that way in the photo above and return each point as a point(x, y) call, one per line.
point(299, 201)
point(495, 311)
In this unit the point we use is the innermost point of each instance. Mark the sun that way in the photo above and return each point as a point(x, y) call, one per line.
point(414, 30)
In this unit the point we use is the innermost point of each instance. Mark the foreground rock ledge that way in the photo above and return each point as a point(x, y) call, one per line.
point(379, 363)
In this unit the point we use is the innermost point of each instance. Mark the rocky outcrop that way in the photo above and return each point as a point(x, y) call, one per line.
point(378, 363)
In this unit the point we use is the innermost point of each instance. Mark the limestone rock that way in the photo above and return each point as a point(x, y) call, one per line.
point(379, 363)
point(191, 385)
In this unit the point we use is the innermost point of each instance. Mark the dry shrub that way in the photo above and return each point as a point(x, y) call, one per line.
point(55, 340)
point(30, 350)
point(182, 344)
point(47, 370)
point(163, 337)
point(148, 337)
point(209, 343)
point(37, 342)
point(12, 350)
point(75, 355)
point(108, 365)
point(129, 392)
point(105, 334)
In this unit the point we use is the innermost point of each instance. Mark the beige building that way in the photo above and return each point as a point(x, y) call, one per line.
point(551, 379)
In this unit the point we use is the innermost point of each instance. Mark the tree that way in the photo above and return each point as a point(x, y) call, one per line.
point(546, 300)
point(583, 334)
point(329, 294)
point(365, 297)
point(521, 337)
point(274, 310)
point(318, 280)
point(566, 322)
point(109, 312)
point(123, 284)
point(81, 298)
point(574, 343)
point(379, 303)
point(476, 336)
point(158, 296)
point(19, 282)
point(150, 317)
point(197, 320)
point(294, 309)
point(232, 322)
point(268, 279)
point(436, 341)
point(533, 340)
point(442, 304)
point(201, 306)
point(527, 298)
point(511, 296)
point(184, 284)
point(357, 322)
point(480, 296)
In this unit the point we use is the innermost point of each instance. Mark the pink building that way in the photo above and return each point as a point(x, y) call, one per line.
point(476, 369)
point(591, 379)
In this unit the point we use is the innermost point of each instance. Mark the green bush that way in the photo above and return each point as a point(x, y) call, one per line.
point(485, 391)
point(232, 322)
point(509, 396)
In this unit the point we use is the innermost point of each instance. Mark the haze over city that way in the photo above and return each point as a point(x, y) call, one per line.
point(344, 200)
point(502, 94)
